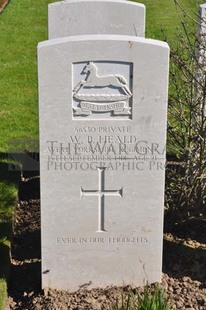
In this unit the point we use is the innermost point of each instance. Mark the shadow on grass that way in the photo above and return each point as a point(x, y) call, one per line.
point(7, 172)
point(26, 247)
point(9, 181)
point(5, 260)
point(11, 166)
point(178, 260)
point(5, 229)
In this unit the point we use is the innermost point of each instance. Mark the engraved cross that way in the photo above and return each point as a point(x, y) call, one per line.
point(101, 192)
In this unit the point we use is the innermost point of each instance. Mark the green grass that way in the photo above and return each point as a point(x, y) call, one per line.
point(150, 299)
point(8, 192)
point(166, 15)
point(3, 288)
point(22, 25)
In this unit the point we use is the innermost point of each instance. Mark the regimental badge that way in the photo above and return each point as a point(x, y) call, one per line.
point(102, 94)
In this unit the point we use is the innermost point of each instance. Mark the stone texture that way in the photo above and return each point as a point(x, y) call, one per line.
point(202, 17)
point(82, 17)
point(200, 51)
point(102, 169)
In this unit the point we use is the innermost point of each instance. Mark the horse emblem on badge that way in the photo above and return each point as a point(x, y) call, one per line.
point(102, 94)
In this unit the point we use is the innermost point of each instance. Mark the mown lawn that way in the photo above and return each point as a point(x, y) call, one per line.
point(163, 17)
point(22, 25)
point(9, 181)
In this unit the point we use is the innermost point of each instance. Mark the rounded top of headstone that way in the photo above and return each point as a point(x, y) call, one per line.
point(77, 1)
point(82, 17)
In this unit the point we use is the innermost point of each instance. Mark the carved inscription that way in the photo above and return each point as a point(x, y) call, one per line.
point(108, 147)
point(122, 240)
point(101, 192)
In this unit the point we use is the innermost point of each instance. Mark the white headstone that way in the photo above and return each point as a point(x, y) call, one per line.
point(103, 109)
point(81, 17)
point(201, 58)
point(202, 18)
point(202, 34)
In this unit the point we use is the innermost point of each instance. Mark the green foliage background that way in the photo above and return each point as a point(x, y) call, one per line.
point(22, 25)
